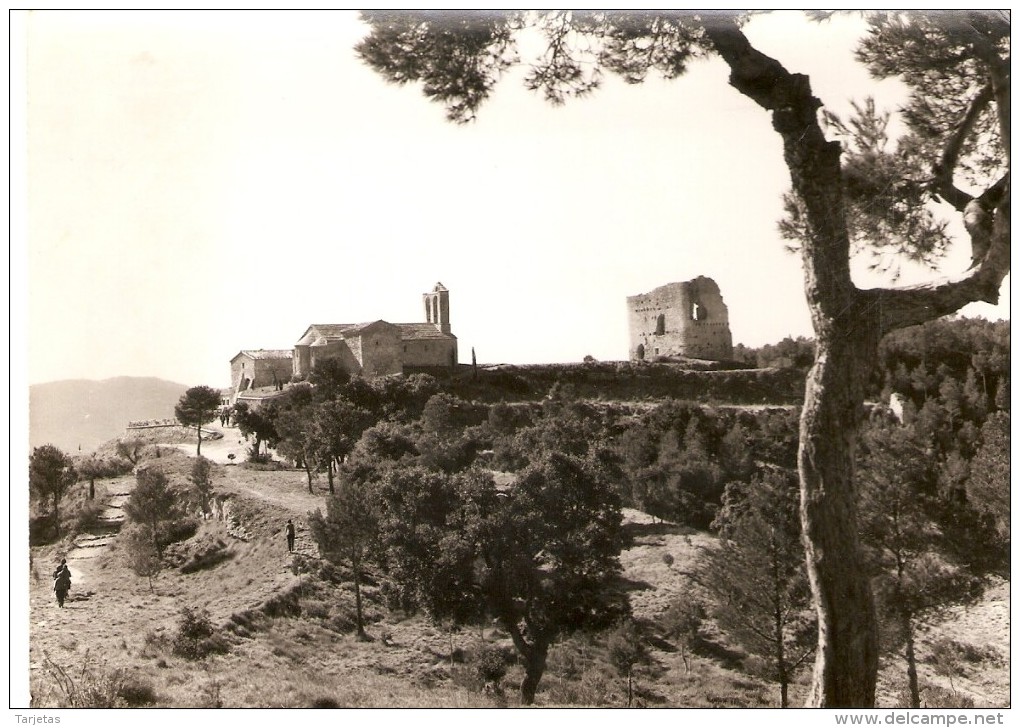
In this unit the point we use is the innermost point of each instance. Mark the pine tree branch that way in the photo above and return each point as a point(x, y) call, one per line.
point(943, 182)
point(812, 160)
point(889, 309)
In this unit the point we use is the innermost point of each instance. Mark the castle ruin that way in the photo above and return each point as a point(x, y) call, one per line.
point(687, 319)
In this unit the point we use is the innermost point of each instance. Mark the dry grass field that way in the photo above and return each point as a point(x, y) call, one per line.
point(282, 632)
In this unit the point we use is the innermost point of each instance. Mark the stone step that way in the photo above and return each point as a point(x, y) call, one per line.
point(93, 544)
point(85, 538)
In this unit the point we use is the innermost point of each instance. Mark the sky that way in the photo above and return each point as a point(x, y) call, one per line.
point(202, 183)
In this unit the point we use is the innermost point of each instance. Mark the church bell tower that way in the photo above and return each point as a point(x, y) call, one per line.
point(437, 308)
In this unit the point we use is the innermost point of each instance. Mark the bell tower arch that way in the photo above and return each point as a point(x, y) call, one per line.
point(437, 307)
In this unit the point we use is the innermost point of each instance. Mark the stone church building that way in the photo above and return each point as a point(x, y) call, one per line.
point(373, 349)
point(687, 319)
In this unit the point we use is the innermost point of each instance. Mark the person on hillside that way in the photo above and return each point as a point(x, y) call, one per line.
point(290, 535)
point(61, 567)
point(62, 584)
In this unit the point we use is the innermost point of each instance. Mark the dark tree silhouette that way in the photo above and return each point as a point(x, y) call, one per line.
point(50, 474)
point(152, 505)
point(197, 407)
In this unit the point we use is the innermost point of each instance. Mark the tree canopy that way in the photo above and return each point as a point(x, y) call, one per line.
point(50, 473)
point(197, 407)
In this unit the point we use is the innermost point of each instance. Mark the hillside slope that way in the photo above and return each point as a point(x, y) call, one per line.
point(286, 619)
point(84, 413)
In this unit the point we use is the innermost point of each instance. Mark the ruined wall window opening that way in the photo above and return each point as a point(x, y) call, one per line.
point(660, 324)
point(698, 312)
point(640, 352)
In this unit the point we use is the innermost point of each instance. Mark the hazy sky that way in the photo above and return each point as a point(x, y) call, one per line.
point(201, 183)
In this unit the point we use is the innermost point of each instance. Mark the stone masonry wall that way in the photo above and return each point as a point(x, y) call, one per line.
point(430, 353)
point(686, 319)
point(380, 352)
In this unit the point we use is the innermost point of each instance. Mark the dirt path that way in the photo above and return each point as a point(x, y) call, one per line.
point(219, 450)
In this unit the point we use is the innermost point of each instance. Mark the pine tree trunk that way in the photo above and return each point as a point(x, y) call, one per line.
point(846, 665)
point(777, 615)
point(848, 324)
point(357, 599)
point(199, 453)
point(915, 692)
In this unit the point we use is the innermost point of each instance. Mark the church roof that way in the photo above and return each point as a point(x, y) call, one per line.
point(322, 334)
point(416, 332)
point(265, 353)
point(331, 331)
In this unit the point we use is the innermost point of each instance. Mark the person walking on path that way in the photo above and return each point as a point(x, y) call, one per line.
point(61, 583)
point(61, 567)
point(290, 535)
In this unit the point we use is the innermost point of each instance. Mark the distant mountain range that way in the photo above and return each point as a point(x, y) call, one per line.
point(83, 413)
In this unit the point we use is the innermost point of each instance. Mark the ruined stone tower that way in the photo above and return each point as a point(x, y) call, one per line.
point(437, 307)
point(686, 319)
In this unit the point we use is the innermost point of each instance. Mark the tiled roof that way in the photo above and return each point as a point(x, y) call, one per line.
point(359, 328)
point(415, 332)
point(321, 334)
point(263, 354)
point(332, 331)
point(268, 353)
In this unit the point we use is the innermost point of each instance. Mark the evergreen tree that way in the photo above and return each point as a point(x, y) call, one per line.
point(757, 575)
point(196, 407)
point(349, 532)
point(913, 579)
point(152, 505)
point(50, 474)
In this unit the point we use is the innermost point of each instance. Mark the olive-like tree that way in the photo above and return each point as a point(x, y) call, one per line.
point(152, 505)
point(849, 186)
point(50, 474)
point(541, 557)
point(348, 532)
point(197, 407)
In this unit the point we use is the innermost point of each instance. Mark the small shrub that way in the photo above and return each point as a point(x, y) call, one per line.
point(196, 638)
point(593, 689)
point(135, 692)
point(343, 623)
point(208, 558)
point(935, 696)
point(181, 530)
point(86, 519)
point(315, 609)
point(491, 663)
point(949, 653)
point(323, 702)
point(156, 643)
